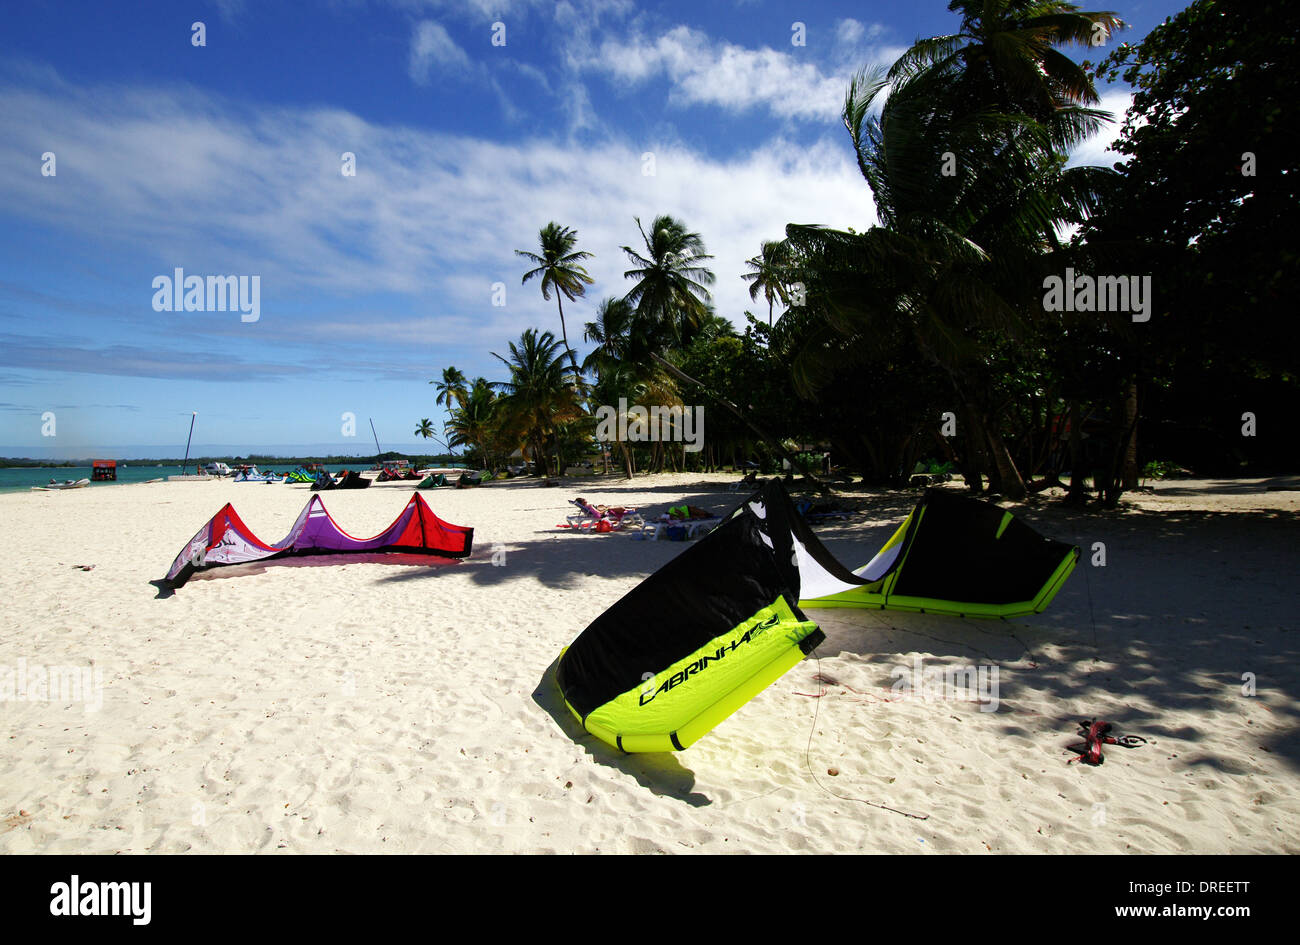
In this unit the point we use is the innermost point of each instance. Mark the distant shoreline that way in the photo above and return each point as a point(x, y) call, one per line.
point(23, 462)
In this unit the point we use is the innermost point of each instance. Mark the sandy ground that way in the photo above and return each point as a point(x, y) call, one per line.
point(387, 706)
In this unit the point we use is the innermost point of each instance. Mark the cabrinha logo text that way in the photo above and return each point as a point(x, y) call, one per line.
point(701, 664)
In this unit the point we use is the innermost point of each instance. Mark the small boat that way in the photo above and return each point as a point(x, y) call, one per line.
point(65, 484)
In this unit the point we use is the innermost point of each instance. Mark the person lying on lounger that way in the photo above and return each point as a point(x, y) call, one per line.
point(615, 511)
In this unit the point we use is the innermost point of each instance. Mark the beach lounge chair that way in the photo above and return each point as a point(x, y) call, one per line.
point(680, 523)
point(589, 516)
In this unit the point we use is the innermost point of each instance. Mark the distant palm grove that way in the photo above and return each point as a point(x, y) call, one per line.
point(924, 342)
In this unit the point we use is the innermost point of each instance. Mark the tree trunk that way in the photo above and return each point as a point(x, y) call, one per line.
point(977, 462)
point(1131, 471)
point(559, 301)
point(1078, 494)
point(1115, 476)
point(1012, 485)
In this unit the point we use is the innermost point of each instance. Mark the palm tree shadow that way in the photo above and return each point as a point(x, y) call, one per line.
point(1158, 642)
point(659, 772)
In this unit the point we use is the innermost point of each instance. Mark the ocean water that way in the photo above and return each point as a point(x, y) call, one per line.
point(22, 480)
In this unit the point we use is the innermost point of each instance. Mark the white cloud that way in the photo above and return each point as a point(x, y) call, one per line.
point(471, 10)
point(230, 10)
point(704, 72)
point(806, 83)
point(1096, 150)
point(849, 31)
point(432, 48)
point(180, 178)
point(578, 21)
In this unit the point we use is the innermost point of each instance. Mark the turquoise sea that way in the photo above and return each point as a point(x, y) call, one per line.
point(22, 480)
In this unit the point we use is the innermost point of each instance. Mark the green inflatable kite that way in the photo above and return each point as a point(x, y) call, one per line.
point(716, 625)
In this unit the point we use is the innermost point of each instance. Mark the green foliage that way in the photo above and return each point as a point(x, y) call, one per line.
point(965, 162)
point(670, 292)
point(878, 338)
point(1161, 469)
point(541, 395)
point(1205, 204)
point(559, 267)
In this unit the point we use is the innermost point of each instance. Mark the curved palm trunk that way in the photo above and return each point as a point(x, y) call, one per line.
point(736, 411)
point(1011, 483)
point(564, 333)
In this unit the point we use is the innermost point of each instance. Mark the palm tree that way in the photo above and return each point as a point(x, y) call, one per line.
point(473, 421)
point(670, 303)
point(541, 394)
point(559, 267)
point(671, 294)
point(612, 334)
point(451, 388)
point(767, 274)
point(622, 366)
point(949, 257)
point(1006, 52)
point(425, 430)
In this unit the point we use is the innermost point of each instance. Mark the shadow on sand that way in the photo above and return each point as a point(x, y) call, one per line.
point(427, 565)
point(658, 772)
point(1187, 606)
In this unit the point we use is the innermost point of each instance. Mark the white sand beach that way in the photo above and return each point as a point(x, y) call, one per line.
point(339, 705)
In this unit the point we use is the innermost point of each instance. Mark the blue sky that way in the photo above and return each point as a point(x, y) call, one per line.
point(225, 159)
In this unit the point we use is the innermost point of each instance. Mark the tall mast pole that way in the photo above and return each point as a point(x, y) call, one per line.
point(193, 414)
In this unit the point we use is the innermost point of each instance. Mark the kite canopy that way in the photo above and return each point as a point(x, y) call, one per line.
point(226, 540)
point(694, 641)
point(952, 555)
point(712, 628)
